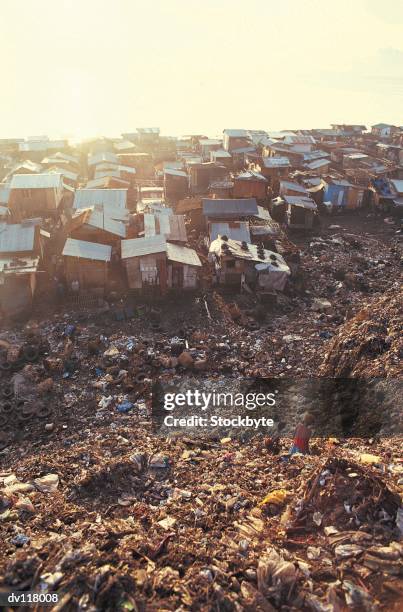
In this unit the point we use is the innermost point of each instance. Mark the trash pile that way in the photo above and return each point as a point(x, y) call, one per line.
point(371, 343)
point(96, 506)
point(117, 518)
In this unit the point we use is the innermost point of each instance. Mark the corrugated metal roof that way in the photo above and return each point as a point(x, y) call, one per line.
point(33, 146)
point(276, 162)
point(315, 155)
point(104, 181)
point(174, 172)
point(87, 250)
point(73, 176)
point(16, 238)
point(206, 142)
point(70, 158)
point(27, 164)
point(300, 201)
point(292, 186)
point(229, 207)
point(36, 181)
point(251, 254)
point(101, 197)
point(220, 153)
point(241, 150)
point(98, 158)
point(168, 225)
point(123, 145)
point(236, 230)
point(138, 247)
point(181, 254)
point(152, 130)
point(101, 219)
point(318, 163)
point(292, 139)
point(250, 175)
point(236, 133)
point(106, 173)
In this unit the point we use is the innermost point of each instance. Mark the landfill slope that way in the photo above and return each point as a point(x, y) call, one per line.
point(370, 344)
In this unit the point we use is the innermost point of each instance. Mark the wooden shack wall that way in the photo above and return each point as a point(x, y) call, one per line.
point(89, 273)
point(39, 201)
point(250, 189)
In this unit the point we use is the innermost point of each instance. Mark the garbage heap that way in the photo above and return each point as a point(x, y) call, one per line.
point(370, 344)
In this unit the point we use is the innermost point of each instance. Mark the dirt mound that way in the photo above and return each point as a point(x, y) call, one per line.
point(370, 344)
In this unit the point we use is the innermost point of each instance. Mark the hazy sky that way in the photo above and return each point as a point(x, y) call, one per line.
point(89, 67)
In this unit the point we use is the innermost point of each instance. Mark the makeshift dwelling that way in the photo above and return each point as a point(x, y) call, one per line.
point(35, 195)
point(235, 139)
point(154, 263)
point(163, 223)
point(240, 263)
point(221, 157)
point(202, 175)
point(95, 225)
point(20, 253)
point(235, 209)
point(274, 168)
point(208, 145)
point(86, 264)
point(236, 230)
point(318, 167)
point(343, 194)
point(175, 184)
point(250, 184)
point(301, 212)
point(105, 198)
point(291, 188)
point(299, 143)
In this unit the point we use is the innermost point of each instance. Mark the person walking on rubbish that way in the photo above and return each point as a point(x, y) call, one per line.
point(302, 436)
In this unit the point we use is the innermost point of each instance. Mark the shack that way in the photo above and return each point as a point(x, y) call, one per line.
point(228, 209)
point(291, 188)
point(95, 225)
point(176, 184)
point(343, 194)
point(273, 168)
point(250, 184)
point(299, 212)
point(159, 223)
point(247, 266)
point(201, 175)
point(236, 230)
point(105, 198)
point(35, 195)
point(153, 263)
point(86, 264)
point(20, 254)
